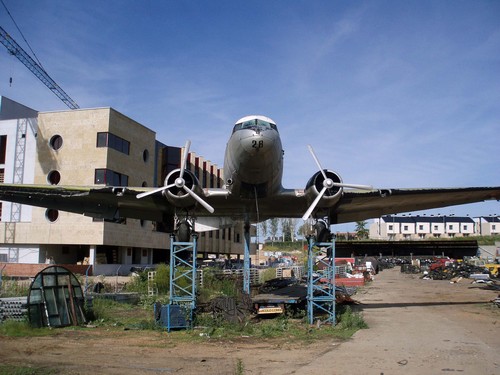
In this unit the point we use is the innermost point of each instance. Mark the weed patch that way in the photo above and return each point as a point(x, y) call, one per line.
point(23, 370)
point(13, 328)
point(107, 312)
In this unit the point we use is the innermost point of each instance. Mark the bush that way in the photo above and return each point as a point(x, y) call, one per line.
point(215, 284)
point(350, 320)
point(267, 274)
point(138, 284)
point(14, 288)
point(162, 278)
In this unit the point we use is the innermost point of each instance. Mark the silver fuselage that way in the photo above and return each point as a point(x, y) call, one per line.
point(253, 163)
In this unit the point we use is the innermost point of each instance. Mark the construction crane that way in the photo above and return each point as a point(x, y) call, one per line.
point(16, 50)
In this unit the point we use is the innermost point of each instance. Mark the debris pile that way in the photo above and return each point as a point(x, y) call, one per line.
point(229, 309)
point(456, 270)
point(496, 301)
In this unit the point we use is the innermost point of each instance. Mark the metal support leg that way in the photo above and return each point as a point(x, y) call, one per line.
point(321, 281)
point(246, 261)
point(181, 269)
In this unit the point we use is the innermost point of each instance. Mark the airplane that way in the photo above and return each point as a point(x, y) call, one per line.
point(252, 191)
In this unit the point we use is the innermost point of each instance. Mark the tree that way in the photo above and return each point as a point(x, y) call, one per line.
point(285, 229)
point(292, 227)
point(361, 230)
point(263, 231)
point(305, 229)
point(273, 228)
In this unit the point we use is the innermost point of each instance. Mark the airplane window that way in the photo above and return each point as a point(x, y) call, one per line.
point(249, 124)
point(255, 123)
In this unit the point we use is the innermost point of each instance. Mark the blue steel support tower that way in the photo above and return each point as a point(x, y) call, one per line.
point(321, 281)
point(182, 296)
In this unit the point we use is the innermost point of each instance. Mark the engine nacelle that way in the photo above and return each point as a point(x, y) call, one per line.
point(315, 185)
point(178, 196)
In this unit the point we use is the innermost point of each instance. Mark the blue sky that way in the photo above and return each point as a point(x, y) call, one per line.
point(389, 93)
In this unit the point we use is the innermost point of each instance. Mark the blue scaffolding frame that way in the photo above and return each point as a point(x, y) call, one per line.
point(184, 296)
point(321, 294)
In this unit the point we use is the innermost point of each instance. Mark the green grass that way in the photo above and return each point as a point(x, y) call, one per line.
point(106, 312)
point(280, 327)
point(14, 288)
point(13, 328)
point(239, 368)
point(24, 370)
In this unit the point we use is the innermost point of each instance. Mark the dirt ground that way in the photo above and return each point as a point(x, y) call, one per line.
point(415, 327)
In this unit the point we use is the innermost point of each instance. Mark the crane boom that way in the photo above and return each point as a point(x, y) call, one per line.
point(16, 50)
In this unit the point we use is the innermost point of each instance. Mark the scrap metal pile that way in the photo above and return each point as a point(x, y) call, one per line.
point(455, 270)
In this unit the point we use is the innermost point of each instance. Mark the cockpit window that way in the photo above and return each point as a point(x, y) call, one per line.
point(255, 124)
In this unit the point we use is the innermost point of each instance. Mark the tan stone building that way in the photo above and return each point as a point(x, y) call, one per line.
point(96, 147)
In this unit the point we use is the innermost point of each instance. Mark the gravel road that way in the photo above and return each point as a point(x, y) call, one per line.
point(419, 327)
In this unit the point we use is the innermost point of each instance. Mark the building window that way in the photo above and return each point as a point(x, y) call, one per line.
point(2, 175)
point(105, 139)
point(465, 227)
point(56, 142)
point(54, 177)
point(197, 167)
point(51, 215)
point(110, 178)
point(390, 227)
point(421, 227)
point(435, 227)
point(405, 227)
point(3, 148)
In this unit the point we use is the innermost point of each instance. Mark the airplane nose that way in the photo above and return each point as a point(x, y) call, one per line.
point(256, 143)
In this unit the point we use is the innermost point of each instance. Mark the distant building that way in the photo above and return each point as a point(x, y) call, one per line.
point(392, 227)
point(92, 147)
point(488, 225)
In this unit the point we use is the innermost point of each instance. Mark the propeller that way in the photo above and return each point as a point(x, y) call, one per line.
point(328, 183)
point(180, 183)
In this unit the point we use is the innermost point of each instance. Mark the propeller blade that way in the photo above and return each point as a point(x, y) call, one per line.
point(160, 189)
point(317, 161)
point(199, 200)
point(314, 204)
point(184, 161)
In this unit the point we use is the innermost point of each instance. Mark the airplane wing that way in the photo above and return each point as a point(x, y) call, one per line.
point(362, 205)
point(122, 202)
point(106, 202)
